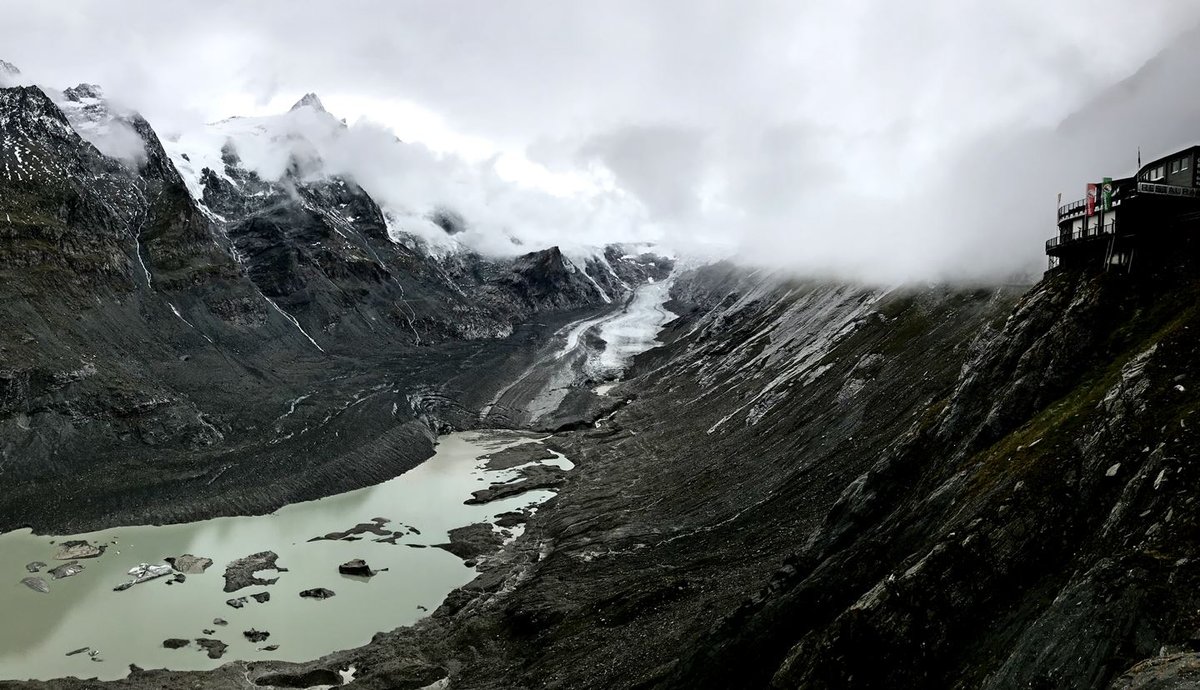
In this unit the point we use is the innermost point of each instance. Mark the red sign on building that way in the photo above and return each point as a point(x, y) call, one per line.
point(1091, 199)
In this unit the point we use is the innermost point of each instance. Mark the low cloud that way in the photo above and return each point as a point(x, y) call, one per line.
point(117, 139)
point(861, 138)
point(414, 183)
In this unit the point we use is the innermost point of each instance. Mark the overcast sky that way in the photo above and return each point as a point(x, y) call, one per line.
point(882, 139)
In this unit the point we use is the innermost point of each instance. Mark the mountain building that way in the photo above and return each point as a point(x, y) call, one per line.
point(1129, 218)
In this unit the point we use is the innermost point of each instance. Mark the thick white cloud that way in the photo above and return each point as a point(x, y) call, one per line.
point(888, 140)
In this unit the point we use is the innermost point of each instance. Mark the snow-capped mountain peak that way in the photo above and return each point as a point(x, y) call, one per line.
point(83, 92)
point(8, 74)
point(310, 100)
point(110, 128)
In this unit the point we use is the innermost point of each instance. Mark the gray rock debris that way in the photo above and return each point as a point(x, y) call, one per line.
point(241, 573)
point(317, 593)
point(215, 648)
point(66, 570)
point(37, 584)
point(356, 566)
point(77, 548)
point(189, 564)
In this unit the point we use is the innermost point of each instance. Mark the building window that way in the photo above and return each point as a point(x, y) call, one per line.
point(1183, 165)
point(1174, 166)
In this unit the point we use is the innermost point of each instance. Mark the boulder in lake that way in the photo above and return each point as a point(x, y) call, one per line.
point(256, 635)
point(66, 570)
point(37, 584)
point(175, 643)
point(356, 567)
point(189, 564)
point(235, 603)
point(215, 648)
point(317, 593)
point(35, 567)
point(77, 548)
point(261, 597)
point(220, 621)
point(269, 648)
point(241, 573)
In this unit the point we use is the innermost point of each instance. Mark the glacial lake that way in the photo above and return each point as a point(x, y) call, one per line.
point(128, 627)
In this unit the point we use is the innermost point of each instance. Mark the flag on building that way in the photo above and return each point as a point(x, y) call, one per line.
point(1106, 194)
point(1091, 199)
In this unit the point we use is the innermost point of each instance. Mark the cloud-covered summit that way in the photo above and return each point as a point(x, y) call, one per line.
point(859, 137)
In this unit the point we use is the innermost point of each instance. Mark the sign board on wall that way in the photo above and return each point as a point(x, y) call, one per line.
point(1165, 189)
point(1091, 198)
point(1106, 194)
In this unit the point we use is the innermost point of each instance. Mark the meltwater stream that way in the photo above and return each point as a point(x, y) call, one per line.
point(37, 630)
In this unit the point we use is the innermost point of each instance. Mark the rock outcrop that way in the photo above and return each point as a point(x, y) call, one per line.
point(189, 564)
point(357, 567)
point(317, 593)
point(73, 550)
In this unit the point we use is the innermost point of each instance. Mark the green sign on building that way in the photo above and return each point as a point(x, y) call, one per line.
point(1106, 194)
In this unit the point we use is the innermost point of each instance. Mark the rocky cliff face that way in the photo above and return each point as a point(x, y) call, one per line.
point(1026, 528)
point(1033, 533)
point(190, 344)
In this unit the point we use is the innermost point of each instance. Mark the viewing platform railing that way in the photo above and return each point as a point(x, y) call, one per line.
point(1089, 233)
point(1073, 207)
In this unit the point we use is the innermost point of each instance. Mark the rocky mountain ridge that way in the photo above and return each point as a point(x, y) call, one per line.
point(160, 343)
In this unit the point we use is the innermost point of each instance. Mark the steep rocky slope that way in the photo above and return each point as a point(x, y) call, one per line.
point(167, 357)
point(735, 440)
point(828, 486)
point(821, 486)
